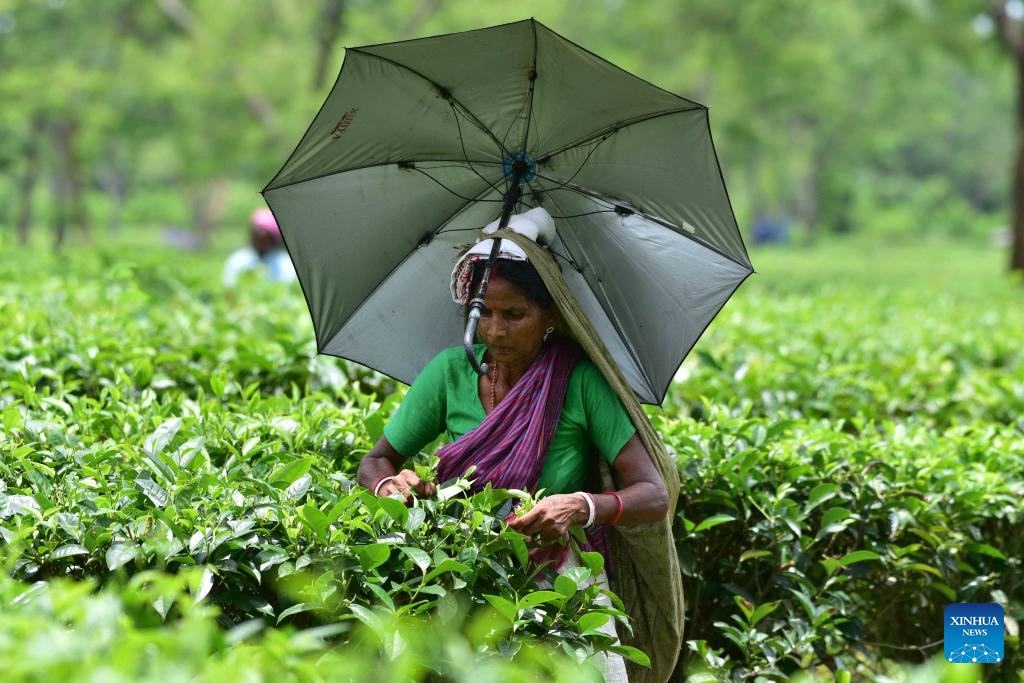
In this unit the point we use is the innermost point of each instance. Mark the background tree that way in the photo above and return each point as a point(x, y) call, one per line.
point(1007, 17)
point(891, 119)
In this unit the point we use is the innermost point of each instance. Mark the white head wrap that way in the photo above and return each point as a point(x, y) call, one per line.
point(533, 224)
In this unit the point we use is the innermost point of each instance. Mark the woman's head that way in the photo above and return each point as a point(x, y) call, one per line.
point(518, 310)
point(521, 274)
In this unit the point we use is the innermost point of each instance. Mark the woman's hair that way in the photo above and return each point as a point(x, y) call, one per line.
point(521, 274)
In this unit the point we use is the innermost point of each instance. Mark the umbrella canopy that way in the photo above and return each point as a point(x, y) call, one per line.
point(412, 152)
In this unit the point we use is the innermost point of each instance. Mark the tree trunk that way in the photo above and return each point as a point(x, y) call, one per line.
point(331, 13)
point(60, 196)
point(112, 178)
point(68, 162)
point(424, 10)
point(809, 189)
point(1017, 249)
point(28, 181)
point(208, 204)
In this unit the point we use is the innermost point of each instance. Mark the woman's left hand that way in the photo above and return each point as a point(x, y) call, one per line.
point(551, 517)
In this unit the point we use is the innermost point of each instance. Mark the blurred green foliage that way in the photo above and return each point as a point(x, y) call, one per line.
point(892, 117)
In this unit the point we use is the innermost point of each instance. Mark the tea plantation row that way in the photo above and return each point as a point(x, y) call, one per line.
point(176, 479)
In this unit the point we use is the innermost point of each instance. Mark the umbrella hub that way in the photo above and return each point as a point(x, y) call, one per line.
point(520, 165)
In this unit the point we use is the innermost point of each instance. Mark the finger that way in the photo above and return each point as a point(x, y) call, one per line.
point(429, 488)
point(410, 478)
point(552, 532)
point(537, 525)
point(424, 488)
point(521, 523)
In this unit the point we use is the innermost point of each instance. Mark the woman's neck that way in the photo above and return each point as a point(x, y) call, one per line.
point(510, 373)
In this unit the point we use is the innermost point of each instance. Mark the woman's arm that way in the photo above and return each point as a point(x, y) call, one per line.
point(384, 461)
point(643, 494)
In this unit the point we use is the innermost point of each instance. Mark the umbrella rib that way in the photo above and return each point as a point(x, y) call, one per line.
point(366, 299)
point(462, 143)
point(444, 92)
point(660, 221)
point(379, 165)
point(611, 317)
point(614, 128)
point(701, 333)
point(721, 176)
point(533, 82)
point(456, 194)
point(587, 158)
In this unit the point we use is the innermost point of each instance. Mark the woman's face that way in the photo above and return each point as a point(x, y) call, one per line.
point(512, 325)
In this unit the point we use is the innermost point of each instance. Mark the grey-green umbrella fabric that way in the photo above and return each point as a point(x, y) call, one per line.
point(409, 156)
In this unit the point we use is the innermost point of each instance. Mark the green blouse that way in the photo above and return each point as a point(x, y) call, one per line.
point(445, 397)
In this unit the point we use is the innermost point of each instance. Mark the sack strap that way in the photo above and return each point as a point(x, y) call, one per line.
point(647, 575)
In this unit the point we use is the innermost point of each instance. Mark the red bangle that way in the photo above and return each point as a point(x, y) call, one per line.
point(615, 520)
point(377, 483)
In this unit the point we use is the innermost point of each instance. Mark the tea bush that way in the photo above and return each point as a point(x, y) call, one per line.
point(176, 471)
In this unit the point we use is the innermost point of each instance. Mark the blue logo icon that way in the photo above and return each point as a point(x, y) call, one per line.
point(973, 632)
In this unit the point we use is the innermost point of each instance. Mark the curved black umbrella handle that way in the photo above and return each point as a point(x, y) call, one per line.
point(476, 307)
point(467, 340)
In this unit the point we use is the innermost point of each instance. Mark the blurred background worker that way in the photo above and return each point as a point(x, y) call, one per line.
point(265, 249)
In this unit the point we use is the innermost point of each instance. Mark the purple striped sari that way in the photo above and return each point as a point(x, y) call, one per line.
point(509, 447)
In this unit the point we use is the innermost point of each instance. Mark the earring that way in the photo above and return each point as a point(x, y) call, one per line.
point(547, 332)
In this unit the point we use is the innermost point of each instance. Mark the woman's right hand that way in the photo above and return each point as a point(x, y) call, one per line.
point(406, 481)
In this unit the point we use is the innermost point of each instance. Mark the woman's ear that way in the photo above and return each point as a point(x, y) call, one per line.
point(554, 318)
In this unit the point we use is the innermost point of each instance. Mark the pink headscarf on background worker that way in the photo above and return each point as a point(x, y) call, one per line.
point(266, 248)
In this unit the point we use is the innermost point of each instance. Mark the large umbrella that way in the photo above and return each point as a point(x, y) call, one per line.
point(422, 142)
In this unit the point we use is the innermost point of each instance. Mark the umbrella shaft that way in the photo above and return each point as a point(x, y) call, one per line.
point(476, 306)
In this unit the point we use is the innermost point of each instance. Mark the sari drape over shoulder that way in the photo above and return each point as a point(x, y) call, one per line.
point(508, 448)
